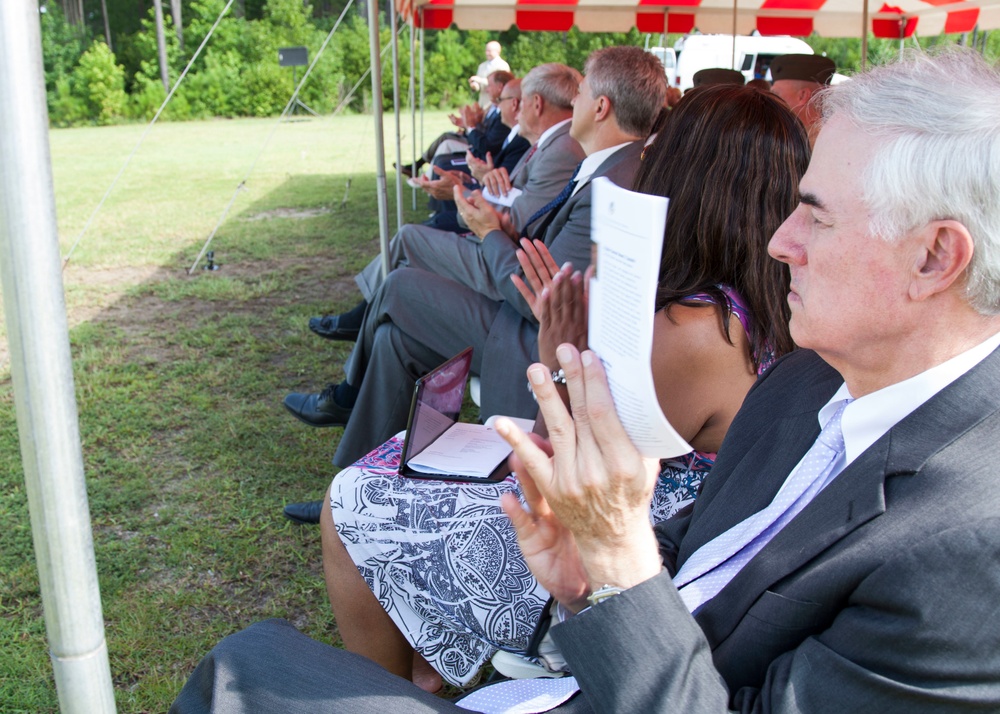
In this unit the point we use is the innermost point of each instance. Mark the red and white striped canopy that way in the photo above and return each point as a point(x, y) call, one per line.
point(830, 18)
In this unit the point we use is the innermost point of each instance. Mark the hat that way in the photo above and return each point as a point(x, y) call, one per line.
point(807, 68)
point(717, 76)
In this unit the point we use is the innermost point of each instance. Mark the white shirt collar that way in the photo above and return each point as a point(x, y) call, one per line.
point(550, 131)
point(513, 132)
point(868, 418)
point(593, 161)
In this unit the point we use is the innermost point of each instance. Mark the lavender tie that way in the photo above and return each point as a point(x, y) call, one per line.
point(715, 564)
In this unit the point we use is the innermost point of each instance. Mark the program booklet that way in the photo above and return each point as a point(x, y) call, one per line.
point(627, 228)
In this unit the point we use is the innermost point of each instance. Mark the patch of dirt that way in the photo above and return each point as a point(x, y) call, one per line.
point(293, 213)
point(317, 279)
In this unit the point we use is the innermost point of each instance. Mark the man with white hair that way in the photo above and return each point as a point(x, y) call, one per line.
point(493, 62)
point(843, 555)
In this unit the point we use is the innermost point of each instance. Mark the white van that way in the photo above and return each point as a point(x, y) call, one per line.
point(753, 55)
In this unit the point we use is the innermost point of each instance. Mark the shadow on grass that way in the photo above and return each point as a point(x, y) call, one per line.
point(188, 452)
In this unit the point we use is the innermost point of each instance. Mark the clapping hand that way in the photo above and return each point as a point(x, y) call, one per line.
point(562, 309)
point(587, 521)
point(472, 115)
point(539, 269)
point(497, 181)
point(476, 211)
point(478, 167)
point(442, 187)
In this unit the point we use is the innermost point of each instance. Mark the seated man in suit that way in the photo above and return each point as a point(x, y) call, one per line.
point(479, 130)
point(417, 319)
point(513, 148)
point(843, 555)
point(546, 109)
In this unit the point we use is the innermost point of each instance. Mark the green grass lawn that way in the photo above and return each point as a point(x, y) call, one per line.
point(189, 455)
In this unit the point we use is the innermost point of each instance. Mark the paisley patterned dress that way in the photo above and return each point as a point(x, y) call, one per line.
point(442, 557)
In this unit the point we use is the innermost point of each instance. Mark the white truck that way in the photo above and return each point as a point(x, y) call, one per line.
point(753, 55)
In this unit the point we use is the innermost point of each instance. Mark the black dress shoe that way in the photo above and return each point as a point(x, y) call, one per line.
point(317, 409)
point(307, 512)
point(329, 327)
point(409, 169)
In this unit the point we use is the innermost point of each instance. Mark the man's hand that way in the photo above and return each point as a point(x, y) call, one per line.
point(476, 211)
point(497, 181)
point(478, 167)
point(457, 120)
point(442, 188)
point(596, 484)
point(472, 115)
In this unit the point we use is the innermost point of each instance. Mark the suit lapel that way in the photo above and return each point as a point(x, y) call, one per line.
point(522, 169)
point(550, 228)
point(857, 495)
point(734, 492)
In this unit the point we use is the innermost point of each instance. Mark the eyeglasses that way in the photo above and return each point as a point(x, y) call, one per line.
point(504, 99)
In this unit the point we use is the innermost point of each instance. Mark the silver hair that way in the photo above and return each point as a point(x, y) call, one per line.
point(633, 80)
point(557, 83)
point(937, 119)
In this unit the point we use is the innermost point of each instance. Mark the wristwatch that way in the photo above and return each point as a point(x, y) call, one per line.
point(603, 593)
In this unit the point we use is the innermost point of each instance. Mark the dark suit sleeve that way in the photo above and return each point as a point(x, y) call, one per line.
point(489, 137)
point(509, 157)
point(918, 635)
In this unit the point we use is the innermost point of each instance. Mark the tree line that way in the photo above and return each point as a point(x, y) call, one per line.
point(111, 61)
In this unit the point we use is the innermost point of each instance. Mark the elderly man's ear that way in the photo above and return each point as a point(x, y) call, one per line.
point(945, 250)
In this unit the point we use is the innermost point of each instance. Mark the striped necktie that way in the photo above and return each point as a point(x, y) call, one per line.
point(523, 162)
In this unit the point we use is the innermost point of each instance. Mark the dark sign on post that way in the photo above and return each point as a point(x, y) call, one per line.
point(293, 57)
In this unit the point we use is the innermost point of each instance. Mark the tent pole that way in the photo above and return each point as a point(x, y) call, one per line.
point(734, 34)
point(42, 374)
point(394, 24)
point(413, 105)
point(422, 95)
point(864, 36)
point(374, 53)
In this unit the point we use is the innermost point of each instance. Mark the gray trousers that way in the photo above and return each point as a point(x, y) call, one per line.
point(271, 667)
point(447, 254)
point(415, 321)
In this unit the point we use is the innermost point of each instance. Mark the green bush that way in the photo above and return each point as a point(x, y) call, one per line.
point(66, 109)
point(100, 83)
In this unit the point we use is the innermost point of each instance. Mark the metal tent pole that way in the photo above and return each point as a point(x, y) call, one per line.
point(394, 24)
point(413, 105)
point(864, 35)
point(734, 34)
point(374, 52)
point(422, 95)
point(42, 372)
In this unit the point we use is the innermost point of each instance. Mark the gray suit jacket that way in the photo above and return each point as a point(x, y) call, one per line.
point(883, 595)
point(543, 177)
point(512, 344)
